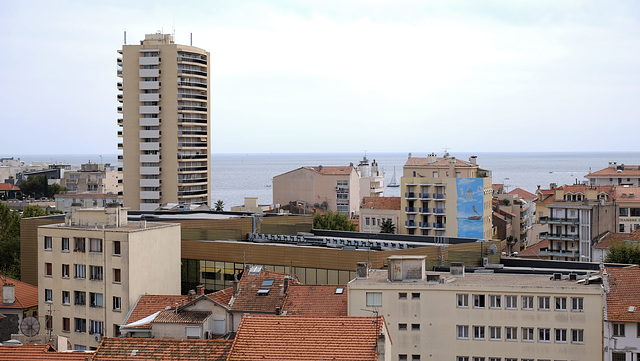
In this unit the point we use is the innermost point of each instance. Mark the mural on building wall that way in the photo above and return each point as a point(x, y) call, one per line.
point(470, 207)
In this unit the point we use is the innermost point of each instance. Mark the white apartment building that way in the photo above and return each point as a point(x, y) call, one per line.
point(93, 178)
point(93, 267)
point(166, 124)
point(481, 316)
point(615, 175)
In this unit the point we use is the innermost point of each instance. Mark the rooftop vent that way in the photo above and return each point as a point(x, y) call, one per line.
point(457, 269)
point(362, 270)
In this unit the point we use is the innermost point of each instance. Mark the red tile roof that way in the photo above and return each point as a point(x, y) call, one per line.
point(150, 304)
point(439, 162)
point(392, 203)
point(26, 294)
point(332, 170)
point(523, 194)
point(290, 338)
point(39, 353)
point(609, 172)
point(195, 317)
point(627, 194)
point(248, 299)
point(612, 238)
point(119, 349)
point(624, 291)
point(534, 249)
point(315, 300)
point(8, 187)
point(223, 297)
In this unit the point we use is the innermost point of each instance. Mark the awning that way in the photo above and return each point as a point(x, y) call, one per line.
point(143, 321)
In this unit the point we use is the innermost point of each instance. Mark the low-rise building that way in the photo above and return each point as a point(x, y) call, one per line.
point(144, 349)
point(628, 200)
point(622, 316)
point(480, 316)
point(19, 300)
point(375, 210)
point(603, 244)
point(615, 174)
point(64, 202)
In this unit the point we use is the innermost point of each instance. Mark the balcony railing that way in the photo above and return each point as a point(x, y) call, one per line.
point(424, 225)
point(192, 60)
point(192, 96)
point(410, 195)
point(192, 156)
point(559, 253)
point(438, 225)
point(438, 196)
point(193, 72)
point(193, 109)
point(559, 237)
point(194, 84)
point(410, 210)
point(410, 224)
point(438, 210)
point(192, 120)
point(192, 193)
point(192, 169)
point(554, 220)
point(424, 196)
point(424, 210)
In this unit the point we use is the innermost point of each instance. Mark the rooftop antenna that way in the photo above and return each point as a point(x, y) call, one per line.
point(190, 39)
point(125, 37)
point(173, 30)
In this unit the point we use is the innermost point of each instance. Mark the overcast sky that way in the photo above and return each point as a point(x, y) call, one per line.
point(338, 76)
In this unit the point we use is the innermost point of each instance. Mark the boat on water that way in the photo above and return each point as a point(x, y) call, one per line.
point(394, 180)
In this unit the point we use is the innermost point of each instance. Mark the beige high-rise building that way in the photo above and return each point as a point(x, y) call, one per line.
point(165, 123)
point(93, 267)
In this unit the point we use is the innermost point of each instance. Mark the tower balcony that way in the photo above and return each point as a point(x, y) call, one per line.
point(119, 84)
point(410, 224)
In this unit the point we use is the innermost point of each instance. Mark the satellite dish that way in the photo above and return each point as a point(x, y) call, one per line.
point(493, 249)
point(30, 326)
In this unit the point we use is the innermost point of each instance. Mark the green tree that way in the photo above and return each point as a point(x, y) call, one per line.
point(387, 226)
point(54, 189)
point(624, 252)
point(219, 206)
point(9, 242)
point(35, 186)
point(33, 211)
point(333, 221)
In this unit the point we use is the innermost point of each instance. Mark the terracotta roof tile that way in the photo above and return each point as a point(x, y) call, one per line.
point(523, 194)
point(118, 349)
point(26, 294)
point(628, 171)
point(267, 337)
point(627, 194)
point(223, 297)
point(439, 162)
point(248, 299)
point(534, 249)
point(332, 170)
point(195, 317)
point(8, 187)
point(39, 353)
point(150, 304)
point(612, 238)
point(392, 203)
point(316, 300)
point(624, 291)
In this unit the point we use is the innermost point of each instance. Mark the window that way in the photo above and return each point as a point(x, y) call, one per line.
point(116, 248)
point(117, 303)
point(66, 297)
point(511, 334)
point(95, 273)
point(95, 299)
point(462, 358)
point(78, 245)
point(415, 357)
point(495, 301)
point(117, 275)
point(366, 221)
point(544, 303)
point(80, 271)
point(402, 295)
point(80, 324)
point(561, 335)
point(478, 301)
point(618, 356)
point(79, 298)
point(478, 359)
point(48, 244)
point(48, 322)
point(495, 359)
point(48, 295)
point(95, 245)
point(527, 334)
point(66, 324)
point(577, 336)
point(561, 303)
point(577, 304)
point(267, 282)
point(374, 299)
point(462, 331)
point(495, 333)
point(618, 329)
point(415, 327)
point(544, 334)
point(621, 228)
point(478, 332)
point(462, 300)
point(402, 327)
point(65, 271)
point(96, 327)
point(48, 269)
point(511, 359)
point(510, 302)
point(415, 295)
point(624, 212)
point(527, 302)
point(65, 244)
point(402, 357)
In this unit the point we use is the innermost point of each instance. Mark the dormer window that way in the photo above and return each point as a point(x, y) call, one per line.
point(267, 283)
point(263, 292)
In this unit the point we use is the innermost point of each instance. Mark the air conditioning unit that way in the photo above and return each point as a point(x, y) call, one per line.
point(485, 261)
point(97, 337)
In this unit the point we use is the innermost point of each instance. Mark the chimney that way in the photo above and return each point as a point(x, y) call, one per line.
point(234, 283)
point(200, 290)
point(278, 311)
point(457, 269)
point(473, 159)
point(191, 295)
point(8, 294)
point(362, 270)
point(286, 285)
point(380, 346)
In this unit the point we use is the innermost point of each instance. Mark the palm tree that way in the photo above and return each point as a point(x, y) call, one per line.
point(387, 226)
point(219, 206)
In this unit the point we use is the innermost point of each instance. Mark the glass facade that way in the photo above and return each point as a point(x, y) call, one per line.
point(217, 275)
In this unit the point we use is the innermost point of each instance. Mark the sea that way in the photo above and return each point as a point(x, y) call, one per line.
point(240, 175)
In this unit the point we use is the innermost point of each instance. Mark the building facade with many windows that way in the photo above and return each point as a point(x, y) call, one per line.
point(480, 316)
point(166, 124)
point(93, 267)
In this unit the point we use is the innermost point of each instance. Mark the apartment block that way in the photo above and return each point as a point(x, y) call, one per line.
point(165, 123)
point(615, 174)
point(445, 196)
point(93, 178)
point(375, 210)
point(520, 207)
point(480, 316)
point(93, 267)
